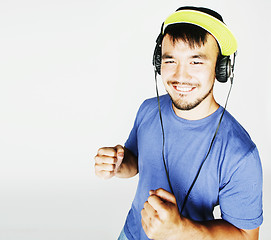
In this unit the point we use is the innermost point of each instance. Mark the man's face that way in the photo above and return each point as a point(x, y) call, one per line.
point(189, 73)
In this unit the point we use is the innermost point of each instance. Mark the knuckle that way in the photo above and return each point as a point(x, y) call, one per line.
point(102, 173)
point(105, 167)
point(100, 150)
point(98, 172)
point(107, 151)
point(145, 204)
point(96, 167)
point(159, 190)
point(96, 158)
point(142, 212)
point(164, 215)
point(151, 198)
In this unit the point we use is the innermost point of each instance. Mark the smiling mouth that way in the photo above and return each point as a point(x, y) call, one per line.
point(183, 89)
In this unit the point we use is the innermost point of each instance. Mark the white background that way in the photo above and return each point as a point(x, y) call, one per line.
point(73, 74)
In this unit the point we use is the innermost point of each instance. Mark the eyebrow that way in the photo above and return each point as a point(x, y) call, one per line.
point(196, 56)
point(202, 56)
point(164, 56)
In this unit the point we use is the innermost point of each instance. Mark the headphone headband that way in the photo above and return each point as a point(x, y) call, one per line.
point(213, 23)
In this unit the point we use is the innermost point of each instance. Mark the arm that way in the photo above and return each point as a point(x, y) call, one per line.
point(115, 161)
point(129, 165)
point(219, 229)
point(161, 220)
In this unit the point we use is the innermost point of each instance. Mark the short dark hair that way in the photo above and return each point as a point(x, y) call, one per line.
point(189, 33)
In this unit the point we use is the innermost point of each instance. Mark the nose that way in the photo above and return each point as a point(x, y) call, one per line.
point(181, 73)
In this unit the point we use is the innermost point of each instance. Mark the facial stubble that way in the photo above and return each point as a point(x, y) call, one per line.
point(186, 106)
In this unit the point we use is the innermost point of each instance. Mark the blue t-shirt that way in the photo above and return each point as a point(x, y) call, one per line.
point(230, 177)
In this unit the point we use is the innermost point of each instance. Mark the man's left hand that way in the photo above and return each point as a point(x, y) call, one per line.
point(160, 216)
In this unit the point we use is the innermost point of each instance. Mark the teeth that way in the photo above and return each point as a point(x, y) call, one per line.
point(184, 89)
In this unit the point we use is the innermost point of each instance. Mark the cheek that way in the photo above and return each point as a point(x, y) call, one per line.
point(206, 76)
point(165, 74)
point(166, 70)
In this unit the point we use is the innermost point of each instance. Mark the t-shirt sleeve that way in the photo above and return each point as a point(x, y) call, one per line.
point(240, 198)
point(131, 142)
point(145, 109)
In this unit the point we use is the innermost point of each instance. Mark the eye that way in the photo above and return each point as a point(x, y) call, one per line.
point(196, 62)
point(169, 61)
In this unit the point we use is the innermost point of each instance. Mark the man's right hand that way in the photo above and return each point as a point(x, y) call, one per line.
point(108, 161)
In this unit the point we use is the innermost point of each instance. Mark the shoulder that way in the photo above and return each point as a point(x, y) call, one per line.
point(235, 135)
point(152, 103)
point(150, 106)
point(239, 150)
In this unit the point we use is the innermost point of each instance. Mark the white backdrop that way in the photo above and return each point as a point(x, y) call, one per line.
point(73, 74)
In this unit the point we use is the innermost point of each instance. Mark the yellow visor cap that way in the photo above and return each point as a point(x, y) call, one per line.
point(215, 27)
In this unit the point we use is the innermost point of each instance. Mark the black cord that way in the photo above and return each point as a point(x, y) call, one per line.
point(209, 150)
point(163, 133)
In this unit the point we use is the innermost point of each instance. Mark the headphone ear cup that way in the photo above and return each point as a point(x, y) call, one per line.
point(156, 61)
point(223, 69)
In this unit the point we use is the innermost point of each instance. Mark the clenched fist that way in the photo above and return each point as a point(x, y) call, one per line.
point(160, 216)
point(108, 161)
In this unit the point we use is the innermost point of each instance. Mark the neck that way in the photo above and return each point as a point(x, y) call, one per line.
point(203, 110)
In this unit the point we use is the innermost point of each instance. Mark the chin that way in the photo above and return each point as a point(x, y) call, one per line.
point(185, 106)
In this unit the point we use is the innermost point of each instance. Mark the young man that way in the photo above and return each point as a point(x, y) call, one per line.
point(194, 156)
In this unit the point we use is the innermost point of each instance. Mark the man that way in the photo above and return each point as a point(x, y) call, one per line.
point(191, 154)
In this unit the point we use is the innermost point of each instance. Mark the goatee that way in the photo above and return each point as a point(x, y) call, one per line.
point(183, 105)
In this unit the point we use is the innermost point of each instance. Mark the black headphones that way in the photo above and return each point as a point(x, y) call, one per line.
point(224, 68)
point(224, 71)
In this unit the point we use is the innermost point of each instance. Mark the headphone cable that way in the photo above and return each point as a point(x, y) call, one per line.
point(163, 143)
point(163, 133)
point(209, 150)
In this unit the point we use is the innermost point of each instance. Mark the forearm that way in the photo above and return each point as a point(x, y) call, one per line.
point(129, 165)
point(215, 229)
